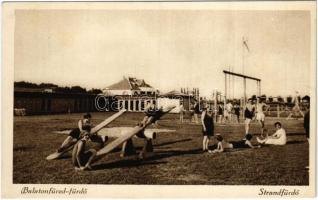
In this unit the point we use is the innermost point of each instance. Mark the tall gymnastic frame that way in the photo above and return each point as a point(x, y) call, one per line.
point(258, 82)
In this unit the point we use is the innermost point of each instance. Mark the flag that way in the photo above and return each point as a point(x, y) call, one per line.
point(245, 44)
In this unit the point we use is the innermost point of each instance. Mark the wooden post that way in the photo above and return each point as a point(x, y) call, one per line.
point(259, 88)
point(278, 112)
point(215, 105)
point(225, 89)
point(245, 90)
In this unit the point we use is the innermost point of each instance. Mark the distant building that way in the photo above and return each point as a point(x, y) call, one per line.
point(180, 97)
point(45, 101)
point(131, 93)
point(130, 86)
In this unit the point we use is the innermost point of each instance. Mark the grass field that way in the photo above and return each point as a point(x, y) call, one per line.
point(177, 158)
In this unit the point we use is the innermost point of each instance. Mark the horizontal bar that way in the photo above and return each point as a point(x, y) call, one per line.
point(241, 75)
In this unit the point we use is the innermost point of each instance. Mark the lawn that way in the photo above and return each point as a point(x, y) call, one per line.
point(177, 158)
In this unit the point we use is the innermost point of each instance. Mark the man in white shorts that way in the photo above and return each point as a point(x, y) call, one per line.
point(228, 111)
point(260, 116)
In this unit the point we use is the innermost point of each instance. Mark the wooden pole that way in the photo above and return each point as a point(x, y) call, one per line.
point(245, 90)
point(215, 105)
point(225, 90)
point(260, 88)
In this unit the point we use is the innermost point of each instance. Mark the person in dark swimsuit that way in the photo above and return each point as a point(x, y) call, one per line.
point(196, 112)
point(237, 112)
point(223, 145)
point(249, 114)
point(207, 127)
point(75, 134)
point(306, 102)
point(220, 113)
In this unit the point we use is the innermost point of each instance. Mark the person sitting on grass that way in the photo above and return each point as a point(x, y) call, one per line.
point(83, 125)
point(76, 134)
point(223, 145)
point(82, 155)
point(278, 138)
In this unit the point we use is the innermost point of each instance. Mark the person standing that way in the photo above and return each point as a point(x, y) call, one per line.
point(196, 112)
point(237, 112)
point(181, 108)
point(306, 102)
point(249, 114)
point(220, 113)
point(228, 111)
point(207, 127)
point(260, 116)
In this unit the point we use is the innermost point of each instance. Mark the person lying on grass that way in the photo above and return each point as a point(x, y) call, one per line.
point(82, 154)
point(278, 138)
point(223, 145)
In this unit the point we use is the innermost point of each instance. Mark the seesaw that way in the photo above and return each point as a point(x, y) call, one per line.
point(104, 123)
point(128, 135)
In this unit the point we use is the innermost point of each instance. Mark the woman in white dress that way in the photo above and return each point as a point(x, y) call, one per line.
point(278, 138)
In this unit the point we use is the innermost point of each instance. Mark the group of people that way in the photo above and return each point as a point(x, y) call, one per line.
point(253, 109)
point(228, 113)
point(85, 144)
point(81, 138)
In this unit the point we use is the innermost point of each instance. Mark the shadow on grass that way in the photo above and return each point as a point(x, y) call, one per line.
point(124, 164)
point(146, 161)
point(296, 142)
point(172, 142)
point(23, 148)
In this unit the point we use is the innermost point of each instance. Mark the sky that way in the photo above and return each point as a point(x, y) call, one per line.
point(169, 49)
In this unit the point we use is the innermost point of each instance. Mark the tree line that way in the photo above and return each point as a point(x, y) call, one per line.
point(56, 88)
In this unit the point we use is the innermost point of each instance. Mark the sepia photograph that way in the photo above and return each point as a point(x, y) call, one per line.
point(159, 95)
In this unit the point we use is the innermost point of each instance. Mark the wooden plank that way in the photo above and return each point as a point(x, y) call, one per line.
point(107, 121)
point(111, 146)
point(104, 123)
point(115, 132)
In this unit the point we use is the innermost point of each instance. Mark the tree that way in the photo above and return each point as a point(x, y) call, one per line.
point(95, 91)
point(78, 89)
point(24, 84)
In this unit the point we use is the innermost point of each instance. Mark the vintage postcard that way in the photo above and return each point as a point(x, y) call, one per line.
point(159, 99)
